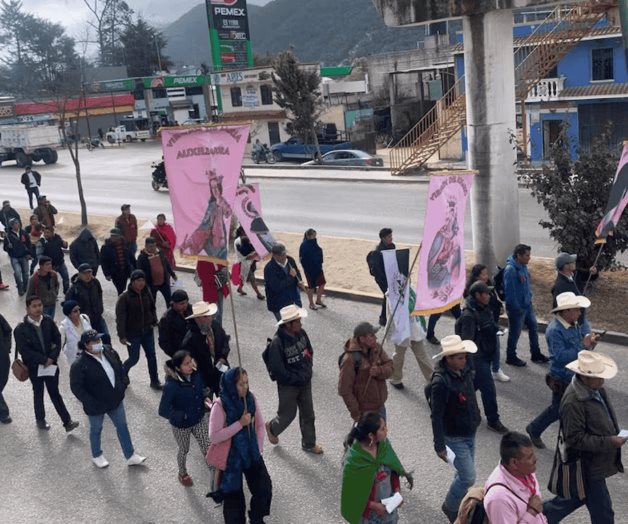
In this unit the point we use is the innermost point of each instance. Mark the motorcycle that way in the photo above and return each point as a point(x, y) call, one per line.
point(159, 176)
point(263, 153)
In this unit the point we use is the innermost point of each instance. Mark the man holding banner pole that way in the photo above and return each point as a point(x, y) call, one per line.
point(375, 263)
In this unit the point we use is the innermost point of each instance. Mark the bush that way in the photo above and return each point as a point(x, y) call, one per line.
point(574, 195)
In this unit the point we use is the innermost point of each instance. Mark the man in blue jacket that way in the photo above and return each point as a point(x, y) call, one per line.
point(282, 281)
point(519, 306)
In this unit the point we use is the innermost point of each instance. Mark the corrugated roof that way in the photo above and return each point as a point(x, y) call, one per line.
point(595, 91)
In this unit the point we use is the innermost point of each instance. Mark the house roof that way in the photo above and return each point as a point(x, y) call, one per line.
point(606, 90)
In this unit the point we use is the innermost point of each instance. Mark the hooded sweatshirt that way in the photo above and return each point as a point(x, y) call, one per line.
point(84, 250)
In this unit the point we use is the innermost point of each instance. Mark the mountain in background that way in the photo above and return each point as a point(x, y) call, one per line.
point(332, 32)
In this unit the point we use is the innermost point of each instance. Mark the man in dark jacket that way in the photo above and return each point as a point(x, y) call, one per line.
point(45, 284)
point(157, 269)
point(5, 366)
point(282, 281)
point(455, 416)
point(477, 324)
point(7, 213)
point(38, 341)
point(17, 244)
point(172, 325)
point(52, 245)
point(45, 211)
point(208, 344)
point(591, 432)
point(375, 261)
point(31, 181)
point(116, 260)
point(127, 224)
point(290, 363)
point(87, 292)
point(98, 380)
point(135, 319)
point(84, 250)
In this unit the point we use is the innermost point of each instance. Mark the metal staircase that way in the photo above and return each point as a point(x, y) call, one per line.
point(534, 57)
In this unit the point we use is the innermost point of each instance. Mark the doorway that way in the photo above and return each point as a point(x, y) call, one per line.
point(273, 133)
point(552, 133)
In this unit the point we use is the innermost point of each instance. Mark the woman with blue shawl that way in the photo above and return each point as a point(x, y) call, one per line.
point(236, 431)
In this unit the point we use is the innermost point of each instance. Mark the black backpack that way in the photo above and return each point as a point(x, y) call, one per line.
point(357, 359)
point(498, 281)
point(265, 358)
point(372, 260)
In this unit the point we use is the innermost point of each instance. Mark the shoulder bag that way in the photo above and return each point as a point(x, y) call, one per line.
point(567, 477)
point(19, 369)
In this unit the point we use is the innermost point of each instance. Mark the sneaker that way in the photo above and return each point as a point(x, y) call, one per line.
point(316, 449)
point(6, 420)
point(500, 376)
point(516, 361)
point(71, 426)
point(540, 359)
point(157, 386)
point(451, 515)
point(497, 427)
point(186, 480)
point(4, 286)
point(433, 340)
point(100, 461)
point(42, 424)
point(135, 460)
point(271, 438)
point(398, 385)
point(536, 440)
point(21, 293)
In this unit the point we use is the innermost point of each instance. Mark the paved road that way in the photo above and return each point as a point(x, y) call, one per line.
point(48, 476)
point(347, 209)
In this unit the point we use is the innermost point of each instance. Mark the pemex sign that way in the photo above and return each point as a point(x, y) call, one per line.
point(229, 35)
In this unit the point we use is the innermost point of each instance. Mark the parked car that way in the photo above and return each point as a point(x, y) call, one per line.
point(295, 149)
point(348, 157)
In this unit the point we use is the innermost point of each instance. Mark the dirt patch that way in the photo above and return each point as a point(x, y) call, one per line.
point(345, 269)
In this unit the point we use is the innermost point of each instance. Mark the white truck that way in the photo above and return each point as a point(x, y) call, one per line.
point(27, 143)
point(126, 134)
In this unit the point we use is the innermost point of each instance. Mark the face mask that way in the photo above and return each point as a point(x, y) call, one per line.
point(97, 348)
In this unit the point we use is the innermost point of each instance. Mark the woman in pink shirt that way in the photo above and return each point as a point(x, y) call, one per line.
point(236, 432)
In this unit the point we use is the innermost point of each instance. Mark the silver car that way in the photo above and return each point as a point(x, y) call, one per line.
point(348, 157)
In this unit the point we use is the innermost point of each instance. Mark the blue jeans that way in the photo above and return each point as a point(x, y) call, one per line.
point(483, 381)
point(20, 272)
point(464, 448)
point(516, 320)
point(50, 310)
point(598, 502)
point(547, 417)
point(147, 341)
point(495, 360)
point(118, 418)
point(63, 271)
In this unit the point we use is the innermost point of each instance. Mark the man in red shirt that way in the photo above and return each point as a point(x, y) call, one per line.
point(127, 224)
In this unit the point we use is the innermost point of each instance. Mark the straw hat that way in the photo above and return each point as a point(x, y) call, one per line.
point(569, 300)
point(290, 313)
point(453, 344)
point(202, 309)
point(596, 365)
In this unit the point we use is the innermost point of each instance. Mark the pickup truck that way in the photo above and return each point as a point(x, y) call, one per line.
point(294, 148)
point(122, 134)
point(26, 143)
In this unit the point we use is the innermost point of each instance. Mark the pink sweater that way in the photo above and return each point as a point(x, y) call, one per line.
point(220, 435)
point(502, 507)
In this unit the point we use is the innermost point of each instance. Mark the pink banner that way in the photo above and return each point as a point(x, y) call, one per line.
point(617, 200)
point(248, 209)
point(442, 275)
point(203, 168)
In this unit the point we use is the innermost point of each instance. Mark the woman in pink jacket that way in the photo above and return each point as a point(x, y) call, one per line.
point(236, 431)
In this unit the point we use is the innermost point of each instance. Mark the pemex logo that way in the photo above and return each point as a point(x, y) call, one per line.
point(224, 2)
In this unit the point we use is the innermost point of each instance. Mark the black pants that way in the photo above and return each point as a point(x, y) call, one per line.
point(120, 281)
point(52, 385)
point(5, 365)
point(261, 488)
point(32, 191)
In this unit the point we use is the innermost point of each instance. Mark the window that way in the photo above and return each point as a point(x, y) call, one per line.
point(236, 97)
point(267, 95)
point(602, 64)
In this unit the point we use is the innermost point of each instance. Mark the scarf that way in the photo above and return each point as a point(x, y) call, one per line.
point(244, 450)
point(359, 474)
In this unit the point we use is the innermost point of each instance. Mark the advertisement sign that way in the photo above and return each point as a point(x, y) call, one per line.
point(229, 34)
point(442, 275)
point(109, 86)
point(203, 166)
point(174, 81)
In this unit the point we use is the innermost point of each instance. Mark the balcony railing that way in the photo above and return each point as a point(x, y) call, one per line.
point(546, 90)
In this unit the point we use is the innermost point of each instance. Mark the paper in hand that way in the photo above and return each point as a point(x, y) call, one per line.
point(392, 503)
point(48, 371)
point(623, 433)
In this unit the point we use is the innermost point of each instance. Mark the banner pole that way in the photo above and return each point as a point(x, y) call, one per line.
point(599, 252)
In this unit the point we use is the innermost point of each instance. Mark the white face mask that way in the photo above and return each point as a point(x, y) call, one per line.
point(97, 348)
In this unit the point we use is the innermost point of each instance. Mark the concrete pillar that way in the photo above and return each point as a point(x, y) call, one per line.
point(490, 93)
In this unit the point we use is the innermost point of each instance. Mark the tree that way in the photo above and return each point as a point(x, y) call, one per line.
point(110, 18)
point(141, 42)
point(574, 195)
point(297, 90)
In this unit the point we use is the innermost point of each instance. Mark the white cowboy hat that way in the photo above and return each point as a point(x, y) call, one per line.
point(290, 313)
point(590, 364)
point(202, 309)
point(453, 344)
point(569, 300)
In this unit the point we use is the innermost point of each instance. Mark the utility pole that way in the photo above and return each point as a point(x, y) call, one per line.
point(158, 52)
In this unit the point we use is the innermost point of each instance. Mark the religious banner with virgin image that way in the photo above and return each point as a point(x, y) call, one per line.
point(442, 276)
point(617, 200)
point(248, 210)
point(203, 166)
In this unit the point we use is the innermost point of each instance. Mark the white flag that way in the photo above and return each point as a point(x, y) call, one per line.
point(398, 292)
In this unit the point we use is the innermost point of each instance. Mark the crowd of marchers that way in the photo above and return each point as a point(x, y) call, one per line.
point(206, 395)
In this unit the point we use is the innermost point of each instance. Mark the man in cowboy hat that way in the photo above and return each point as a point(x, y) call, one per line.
point(565, 338)
point(290, 364)
point(455, 415)
point(207, 343)
point(364, 369)
point(591, 431)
